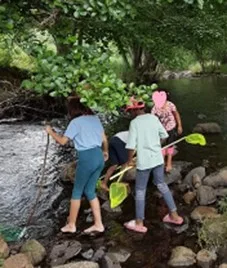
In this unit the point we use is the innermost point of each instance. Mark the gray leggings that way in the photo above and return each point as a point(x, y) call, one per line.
point(142, 177)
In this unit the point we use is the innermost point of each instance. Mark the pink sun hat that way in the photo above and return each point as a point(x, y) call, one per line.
point(134, 104)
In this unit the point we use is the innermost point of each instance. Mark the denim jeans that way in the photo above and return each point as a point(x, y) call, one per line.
point(142, 177)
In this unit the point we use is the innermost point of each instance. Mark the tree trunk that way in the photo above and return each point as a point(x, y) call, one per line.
point(144, 66)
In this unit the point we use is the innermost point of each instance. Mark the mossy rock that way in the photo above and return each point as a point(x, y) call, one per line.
point(1, 263)
point(34, 250)
point(213, 233)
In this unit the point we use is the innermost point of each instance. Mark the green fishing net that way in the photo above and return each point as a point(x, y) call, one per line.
point(196, 138)
point(9, 233)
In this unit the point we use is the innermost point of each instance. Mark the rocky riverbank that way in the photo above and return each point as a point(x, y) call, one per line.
point(199, 242)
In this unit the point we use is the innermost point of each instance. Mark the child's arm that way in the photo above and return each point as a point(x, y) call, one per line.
point(178, 120)
point(131, 143)
point(105, 146)
point(58, 138)
point(131, 161)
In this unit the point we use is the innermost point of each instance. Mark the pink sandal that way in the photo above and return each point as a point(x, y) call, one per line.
point(168, 219)
point(132, 226)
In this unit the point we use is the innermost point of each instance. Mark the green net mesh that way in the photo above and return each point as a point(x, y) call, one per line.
point(118, 193)
point(196, 138)
point(10, 234)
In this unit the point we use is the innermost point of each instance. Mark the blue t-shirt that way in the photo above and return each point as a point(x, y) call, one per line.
point(85, 131)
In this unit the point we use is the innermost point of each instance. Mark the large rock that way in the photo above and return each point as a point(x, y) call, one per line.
point(217, 179)
point(4, 249)
point(80, 264)
point(64, 252)
point(182, 256)
point(98, 254)
point(121, 254)
point(189, 197)
point(198, 172)
point(196, 181)
point(109, 261)
point(182, 166)
point(207, 128)
point(107, 208)
point(206, 195)
point(173, 176)
point(221, 192)
point(88, 254)
point(34, 250)
point(202, 212)
point(18, 261)
point(169, 75)
point(185, 74)
point(205, 258)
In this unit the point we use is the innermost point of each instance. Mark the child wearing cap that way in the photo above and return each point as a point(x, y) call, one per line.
point(171, 121)
point(145, 132)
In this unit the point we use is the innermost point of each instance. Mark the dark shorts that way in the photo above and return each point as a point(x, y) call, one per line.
point(172, 136)
point(118, 154)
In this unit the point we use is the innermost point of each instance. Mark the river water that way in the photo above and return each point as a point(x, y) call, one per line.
point(202, 100)
point(22, 148)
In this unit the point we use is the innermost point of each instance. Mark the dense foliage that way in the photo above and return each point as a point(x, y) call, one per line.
point(70, 43)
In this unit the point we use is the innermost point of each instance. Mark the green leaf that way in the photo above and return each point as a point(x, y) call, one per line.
point(10, 25)
point(83, 100)
point(116, 113)
point(76, 14)
point(53, 94)
point(105, 90)
point(27, 84)
point(2, 9)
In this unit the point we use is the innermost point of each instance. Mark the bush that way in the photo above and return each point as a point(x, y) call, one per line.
point(213, 233)
point(222, 205)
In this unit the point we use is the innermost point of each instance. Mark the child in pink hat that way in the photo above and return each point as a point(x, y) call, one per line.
point(170, 118)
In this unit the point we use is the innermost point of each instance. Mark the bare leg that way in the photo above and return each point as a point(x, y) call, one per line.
point(109, 173)
point(169, 163)
point(174, 215)
point(170, 152)
point(74, 210)
point(98, 225)
point(139, 222)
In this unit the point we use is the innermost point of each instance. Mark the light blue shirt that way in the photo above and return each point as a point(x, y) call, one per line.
point(145, 132)
point(86, 132)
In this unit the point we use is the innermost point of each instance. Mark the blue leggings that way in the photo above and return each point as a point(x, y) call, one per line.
point(89, 167)
point(142, 177)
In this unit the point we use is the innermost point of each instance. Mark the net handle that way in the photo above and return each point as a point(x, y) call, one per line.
point(173, 143)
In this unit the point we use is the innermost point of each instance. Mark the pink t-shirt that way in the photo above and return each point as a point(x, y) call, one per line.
point(166, 116)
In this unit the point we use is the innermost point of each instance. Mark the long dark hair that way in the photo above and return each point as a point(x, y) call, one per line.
point(76, 108)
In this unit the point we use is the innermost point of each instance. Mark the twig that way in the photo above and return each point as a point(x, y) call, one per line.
point(36, 109)
point(51, 19)
point(6, 82)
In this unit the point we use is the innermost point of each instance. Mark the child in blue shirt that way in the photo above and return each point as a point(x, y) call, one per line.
point(87, 134)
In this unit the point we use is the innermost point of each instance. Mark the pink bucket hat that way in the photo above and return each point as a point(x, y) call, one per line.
point(134, 104)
